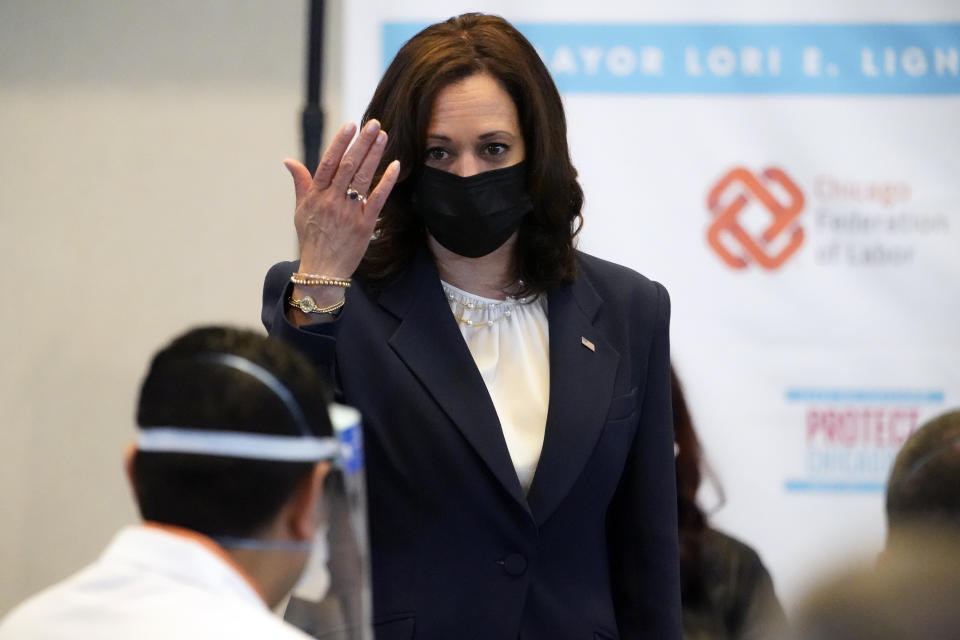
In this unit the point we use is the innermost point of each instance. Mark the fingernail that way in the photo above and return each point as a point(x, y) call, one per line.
point(394, 166)
point(350, 128)
point(372, 126)
point(381, 137)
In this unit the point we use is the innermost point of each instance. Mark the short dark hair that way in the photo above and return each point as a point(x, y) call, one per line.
point(924, 485)
point(443, 54)
point(184, 387)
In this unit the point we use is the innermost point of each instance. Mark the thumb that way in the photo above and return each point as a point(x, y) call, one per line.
point(301, 177)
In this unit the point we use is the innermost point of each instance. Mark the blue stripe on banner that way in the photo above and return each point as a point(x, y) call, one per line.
point(830, 59)
point(861, 395)
point(817, 486)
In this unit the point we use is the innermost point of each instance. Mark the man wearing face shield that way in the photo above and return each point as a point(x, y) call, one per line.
point(250, 486)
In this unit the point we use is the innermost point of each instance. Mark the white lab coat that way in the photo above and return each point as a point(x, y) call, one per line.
point(150, 583)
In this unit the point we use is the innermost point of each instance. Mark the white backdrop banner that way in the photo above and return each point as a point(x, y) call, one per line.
point(794, 185)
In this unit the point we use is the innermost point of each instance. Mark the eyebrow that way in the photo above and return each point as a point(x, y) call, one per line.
point(484, 136)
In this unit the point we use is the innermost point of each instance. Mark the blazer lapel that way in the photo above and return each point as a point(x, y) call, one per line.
point(429, 342)
point(583, 366)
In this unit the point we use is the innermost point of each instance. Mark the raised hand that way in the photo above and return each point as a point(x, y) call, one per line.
point(334, 229)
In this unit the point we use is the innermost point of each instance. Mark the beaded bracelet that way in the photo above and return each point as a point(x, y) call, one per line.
point(311, 280)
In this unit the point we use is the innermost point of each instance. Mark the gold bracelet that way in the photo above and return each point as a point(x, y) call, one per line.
point(306, 304)
point(311, 280)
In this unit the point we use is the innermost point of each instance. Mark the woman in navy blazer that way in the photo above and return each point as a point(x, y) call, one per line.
point(484, 201)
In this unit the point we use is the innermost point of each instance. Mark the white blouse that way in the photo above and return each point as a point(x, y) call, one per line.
point(509, 341)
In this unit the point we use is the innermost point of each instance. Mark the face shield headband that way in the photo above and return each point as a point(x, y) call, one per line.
point(332, 598)
point(261, 446)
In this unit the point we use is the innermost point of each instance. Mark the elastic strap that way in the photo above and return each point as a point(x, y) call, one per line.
point(229, 542)
point(268, 379)
point(235, 444)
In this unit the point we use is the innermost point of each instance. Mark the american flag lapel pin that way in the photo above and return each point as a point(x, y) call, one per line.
point(587, 343)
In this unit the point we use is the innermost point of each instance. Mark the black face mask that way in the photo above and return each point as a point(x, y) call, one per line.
point(473, 216)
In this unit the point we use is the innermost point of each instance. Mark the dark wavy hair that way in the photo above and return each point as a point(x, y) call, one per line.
point(443, 54)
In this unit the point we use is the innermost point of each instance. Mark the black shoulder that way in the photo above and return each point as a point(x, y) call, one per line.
point(620, 285)
point(728, 546)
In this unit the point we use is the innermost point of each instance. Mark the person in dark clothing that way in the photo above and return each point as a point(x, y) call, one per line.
point(726, 591)
point(514, 390)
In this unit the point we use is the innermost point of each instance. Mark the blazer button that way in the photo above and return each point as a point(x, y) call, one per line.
point(515, 564)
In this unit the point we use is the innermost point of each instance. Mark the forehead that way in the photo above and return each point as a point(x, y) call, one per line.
point(473, 106)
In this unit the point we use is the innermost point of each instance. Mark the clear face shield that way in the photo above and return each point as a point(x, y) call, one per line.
point(332, 599)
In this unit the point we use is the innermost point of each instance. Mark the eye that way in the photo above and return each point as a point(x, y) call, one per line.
point(495, 148)
point(437, 154)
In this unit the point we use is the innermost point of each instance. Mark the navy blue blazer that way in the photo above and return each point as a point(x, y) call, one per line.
point(458, 550)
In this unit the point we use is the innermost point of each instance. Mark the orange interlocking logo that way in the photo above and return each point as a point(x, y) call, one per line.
point(731, 196)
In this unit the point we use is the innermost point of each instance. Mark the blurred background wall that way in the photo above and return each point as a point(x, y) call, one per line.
point(141, 192)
